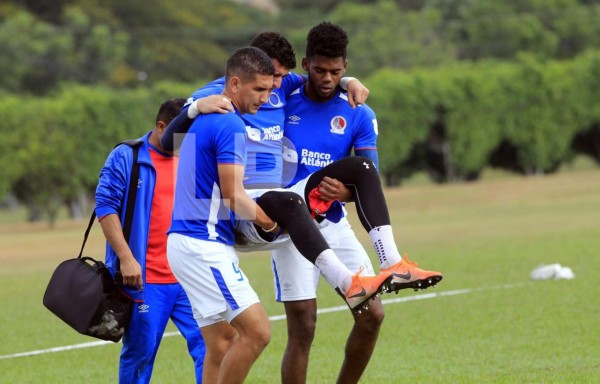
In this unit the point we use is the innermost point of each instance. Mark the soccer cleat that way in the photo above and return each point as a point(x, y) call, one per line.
point(364, 288)
point(407, 274)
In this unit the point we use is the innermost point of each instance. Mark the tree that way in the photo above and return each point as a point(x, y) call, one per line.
point(37, 55)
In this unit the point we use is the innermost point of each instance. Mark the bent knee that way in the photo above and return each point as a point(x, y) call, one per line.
point(284, 199)
point(261, 338)
point(373, 318)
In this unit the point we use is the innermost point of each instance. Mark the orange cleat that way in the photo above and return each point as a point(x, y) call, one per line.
point(407, 274)
point(364, 288)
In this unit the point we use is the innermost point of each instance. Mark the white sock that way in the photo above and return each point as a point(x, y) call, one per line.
point(333, 270)
point(385, 246)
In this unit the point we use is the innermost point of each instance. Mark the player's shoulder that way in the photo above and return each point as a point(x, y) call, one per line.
point(362, 109)
point(216, 121)
point(213, 88)
point(229, 120)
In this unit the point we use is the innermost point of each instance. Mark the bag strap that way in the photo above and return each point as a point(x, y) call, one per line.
point(133, 186)
point(133, 183)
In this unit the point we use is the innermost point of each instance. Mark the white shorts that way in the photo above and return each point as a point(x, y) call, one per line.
point(296, 278)
point(209, 273)
point(247, 232)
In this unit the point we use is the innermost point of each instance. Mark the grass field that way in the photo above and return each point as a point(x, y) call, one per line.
point(488, 322)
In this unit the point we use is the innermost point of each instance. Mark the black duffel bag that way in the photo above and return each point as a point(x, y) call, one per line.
point(82, 292)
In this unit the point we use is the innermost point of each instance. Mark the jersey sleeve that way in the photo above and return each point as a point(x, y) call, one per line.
point(182, 123)
point(230, 140)
point(213, 88)
point(365, 137)
point(291, 82)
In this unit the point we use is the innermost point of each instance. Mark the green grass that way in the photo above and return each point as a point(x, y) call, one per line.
point(485, 237)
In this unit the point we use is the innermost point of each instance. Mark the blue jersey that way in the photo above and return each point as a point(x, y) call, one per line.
point(319, 133)
point(198, 209)
point(264, 131)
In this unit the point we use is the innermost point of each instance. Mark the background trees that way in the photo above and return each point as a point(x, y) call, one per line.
point(457, 85)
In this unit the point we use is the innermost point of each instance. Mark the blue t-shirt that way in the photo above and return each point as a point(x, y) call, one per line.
point(264, 131)
point(319, 133)
point(198, 209)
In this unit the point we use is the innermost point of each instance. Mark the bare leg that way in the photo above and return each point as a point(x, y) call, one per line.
point(301, 321)
point(254, 332)
point(218, 339)
point(361, 343)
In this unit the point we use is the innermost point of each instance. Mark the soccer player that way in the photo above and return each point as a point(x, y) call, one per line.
point(147, 278)
point(320, 128)
point(299, 298)
point(209, 192)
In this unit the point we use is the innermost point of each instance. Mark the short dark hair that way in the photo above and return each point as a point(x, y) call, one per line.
point(169, 109)
point(326, 39)
point(248, 62)
point(277, 47)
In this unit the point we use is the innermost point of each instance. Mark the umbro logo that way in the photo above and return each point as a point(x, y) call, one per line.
point(294, 118)
point(139, 183)
point(143, 308)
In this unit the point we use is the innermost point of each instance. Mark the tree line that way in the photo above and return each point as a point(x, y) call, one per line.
point(135, 43)
point(527, 116)
point(457, 85)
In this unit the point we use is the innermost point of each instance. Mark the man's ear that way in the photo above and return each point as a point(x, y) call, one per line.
point(235, 83)
point(305, 64)
point(161, 126)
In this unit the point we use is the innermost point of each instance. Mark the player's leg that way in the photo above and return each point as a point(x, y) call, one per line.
point(301, 319)
point(361, 342)
point(289, 210)
point(219, 337)
point(143, 335)
point(295, 283)
point(253, 328)
point(360, 175)
point(219, 291)
point(183, 318)
point(365, 330)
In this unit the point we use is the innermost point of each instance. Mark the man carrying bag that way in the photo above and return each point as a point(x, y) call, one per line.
point(146, 275)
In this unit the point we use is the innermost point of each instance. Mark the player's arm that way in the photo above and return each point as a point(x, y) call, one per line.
point(332, 189)
point(370, 154)
point(357, 92)
point(183, 121)
point(231, 178)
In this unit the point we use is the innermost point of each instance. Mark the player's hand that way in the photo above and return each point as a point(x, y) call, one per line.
point(333, 189)
point(131, 271)
point(357, 93)
point(214, 103)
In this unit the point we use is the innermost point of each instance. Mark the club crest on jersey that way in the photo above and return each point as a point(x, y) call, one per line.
point(254, 134)
point(274, 100)
point(338, 125)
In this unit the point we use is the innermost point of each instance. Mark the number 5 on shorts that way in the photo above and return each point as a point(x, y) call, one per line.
point(238, 271)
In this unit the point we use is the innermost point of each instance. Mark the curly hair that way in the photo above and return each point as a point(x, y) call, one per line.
point(277, 47)
point(326, 39)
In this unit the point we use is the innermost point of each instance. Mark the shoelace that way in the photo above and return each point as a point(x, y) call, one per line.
point(408, 261)
point(360, 270)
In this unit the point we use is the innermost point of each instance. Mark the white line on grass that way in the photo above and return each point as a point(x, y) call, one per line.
point(422, 296)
